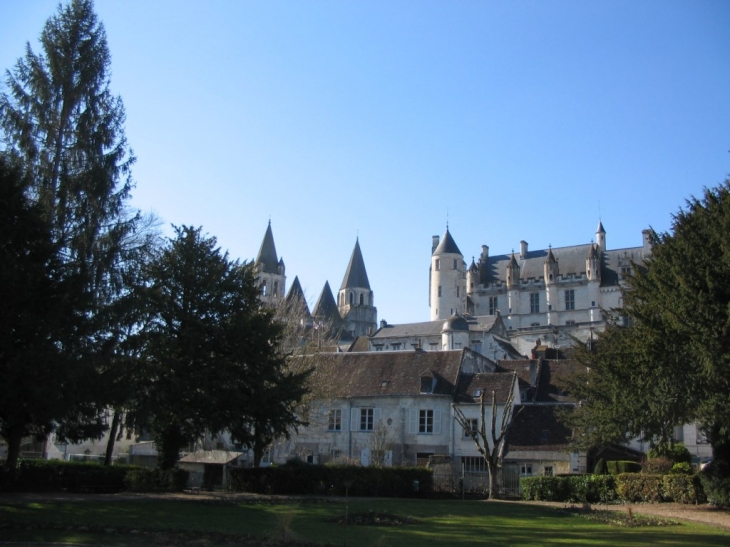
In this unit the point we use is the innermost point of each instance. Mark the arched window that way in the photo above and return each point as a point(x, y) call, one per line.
point(352, 298)
point(362, 299)
point(276, 288)
point(263, 288)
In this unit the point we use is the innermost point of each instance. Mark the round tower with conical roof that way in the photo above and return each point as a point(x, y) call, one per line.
point(447, 294)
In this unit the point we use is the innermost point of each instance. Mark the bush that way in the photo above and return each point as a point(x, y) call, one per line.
point(681, 468)
point(715, 479)
point(56, 475)
point(657, 466)
point(147, 479)
point(570, 488)
point(639, 487)
point(677, 453)
point(296, 478)
point(619, 467)
point(683, 488)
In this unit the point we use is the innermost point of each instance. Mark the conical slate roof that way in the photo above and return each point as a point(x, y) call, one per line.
point(267, 258)
point(447, 245)
point(600, 229)
point(295, 300)
point(356, 276)
point(326, 307)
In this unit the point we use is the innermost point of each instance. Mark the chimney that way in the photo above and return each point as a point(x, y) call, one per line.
point(434, 243)
point(523, 248)
point(485, 253)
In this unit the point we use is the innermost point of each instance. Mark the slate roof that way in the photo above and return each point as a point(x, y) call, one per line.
point(295, 299)
point(551, 383)
point(523, 368)
point(376, 374)
point(267, 258)
point(326, 307)
point(447, 245)
point(571, 261)
point(537, 428)
point(432, 328)
point(499, 382)
point(356, 276)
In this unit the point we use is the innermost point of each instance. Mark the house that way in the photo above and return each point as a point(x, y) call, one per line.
point(209, 468)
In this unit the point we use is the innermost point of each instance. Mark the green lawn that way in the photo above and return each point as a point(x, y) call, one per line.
point(207, 523)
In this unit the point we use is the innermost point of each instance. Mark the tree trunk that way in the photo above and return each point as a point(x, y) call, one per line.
point(14, 440)
point(169, 444)
point(493, 486)
point(112, 437)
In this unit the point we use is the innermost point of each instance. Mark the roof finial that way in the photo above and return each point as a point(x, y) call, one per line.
point(447, 219)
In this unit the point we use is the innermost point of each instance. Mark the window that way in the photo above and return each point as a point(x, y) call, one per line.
point(425, 421)
point(535, 302)
point(548, 471)
point(352, 298)
point(438, 264)
point(455, 263)
point(570, 299)
point(439, 290)
point(335, 454)
point(334, 422)
point(457, 292)
point(276, 288)
point(367, 418)
point(526, 470)
point(471, 431)
point(395, 347)
point(492, 305)
point(473, 464)
point(362, 299)
point(263, 288)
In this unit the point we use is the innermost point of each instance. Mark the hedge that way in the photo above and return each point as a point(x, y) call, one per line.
point(56, 475)
point(715, 480)
point(627, 487)
point(147, 479)
point(304, 479)
point(570, 488)
point(622, 466)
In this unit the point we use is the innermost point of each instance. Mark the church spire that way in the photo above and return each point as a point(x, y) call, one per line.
point(356, 277)
point(267, 260)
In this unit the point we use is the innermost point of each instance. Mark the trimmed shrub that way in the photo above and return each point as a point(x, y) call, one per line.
point(56, 475)
point(683, 488)
point(681, 468)
point(715, 479)
point(620, 466)
point(147, 479)
point(639, 487)
point(657, 466)
point(297, 478)
point(570, 488)
point(544, 488)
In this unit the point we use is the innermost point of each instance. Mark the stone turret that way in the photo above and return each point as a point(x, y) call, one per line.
point(448, 278)
point(270, 270)
point(355, 301)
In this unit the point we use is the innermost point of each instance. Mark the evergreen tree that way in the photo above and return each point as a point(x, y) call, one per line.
point(61, 122)
point(211, 352)
point(672, 364)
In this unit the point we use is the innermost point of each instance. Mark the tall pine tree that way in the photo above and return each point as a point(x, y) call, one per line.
point(63, 125)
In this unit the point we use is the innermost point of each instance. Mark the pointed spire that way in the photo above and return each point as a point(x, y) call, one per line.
point(326, 307)
point(550, 255)
point(600, 229)
point(356, 276)
point(295, 299)
point(447, 245)
point(267, 259)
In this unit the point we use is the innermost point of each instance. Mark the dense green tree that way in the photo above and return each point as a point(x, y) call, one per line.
point(37, 317)
point(62, 124)
point(671, 365)
point(211, 352)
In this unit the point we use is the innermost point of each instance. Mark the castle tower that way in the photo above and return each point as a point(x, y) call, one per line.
point(513, 285)
point(601, 237)
point(447, 294)
point(355, 301)
point(270, 270)
point(455, 333)
point(551, 289)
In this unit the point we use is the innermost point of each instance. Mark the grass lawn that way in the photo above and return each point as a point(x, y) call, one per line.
point(207, 523)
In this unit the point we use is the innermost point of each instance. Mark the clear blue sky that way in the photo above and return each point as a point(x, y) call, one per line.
point(517, 119)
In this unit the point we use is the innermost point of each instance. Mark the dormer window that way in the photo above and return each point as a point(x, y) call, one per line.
point(477, 392)
point(427, 383)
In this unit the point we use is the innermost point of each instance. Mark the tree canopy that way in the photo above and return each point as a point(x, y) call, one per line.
point(64, 131)
point(211, 351)
point(671, 364)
